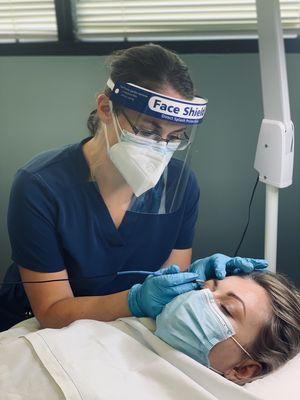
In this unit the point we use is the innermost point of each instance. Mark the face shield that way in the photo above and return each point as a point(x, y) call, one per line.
point(155, 135)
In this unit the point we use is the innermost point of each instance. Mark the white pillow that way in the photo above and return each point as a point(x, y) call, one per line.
point(281, 384)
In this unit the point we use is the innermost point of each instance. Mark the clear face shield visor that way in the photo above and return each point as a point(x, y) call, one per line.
point(155, 134)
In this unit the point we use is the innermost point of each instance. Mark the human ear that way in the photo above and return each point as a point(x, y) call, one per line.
point(244, 372)
point(103, 109)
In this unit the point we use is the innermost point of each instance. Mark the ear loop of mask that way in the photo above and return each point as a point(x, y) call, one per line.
point(117, 124)
point(241, 347)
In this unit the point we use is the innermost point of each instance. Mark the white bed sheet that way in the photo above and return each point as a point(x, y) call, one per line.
point(22, 374)
point(96, 360)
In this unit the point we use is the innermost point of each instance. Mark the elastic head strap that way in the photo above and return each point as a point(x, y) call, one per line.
point(110, 84)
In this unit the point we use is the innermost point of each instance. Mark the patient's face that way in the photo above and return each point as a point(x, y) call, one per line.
point(247, 316)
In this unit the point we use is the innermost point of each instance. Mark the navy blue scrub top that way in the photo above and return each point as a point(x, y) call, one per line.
point(58, 220)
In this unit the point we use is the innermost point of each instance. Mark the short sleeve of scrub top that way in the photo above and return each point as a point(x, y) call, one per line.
point(58, 220)
point(32, 220)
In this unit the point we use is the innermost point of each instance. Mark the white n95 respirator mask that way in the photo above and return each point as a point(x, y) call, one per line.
point(141, 161)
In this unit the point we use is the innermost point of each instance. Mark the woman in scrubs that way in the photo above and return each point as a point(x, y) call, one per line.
point(120, 200)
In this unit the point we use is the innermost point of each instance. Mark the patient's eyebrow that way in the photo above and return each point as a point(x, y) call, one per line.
point(231, 294)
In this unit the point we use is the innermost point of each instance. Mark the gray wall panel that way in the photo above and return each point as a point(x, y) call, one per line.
point(44, 102)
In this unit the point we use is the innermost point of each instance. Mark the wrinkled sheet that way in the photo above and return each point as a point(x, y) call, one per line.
point(95, 360)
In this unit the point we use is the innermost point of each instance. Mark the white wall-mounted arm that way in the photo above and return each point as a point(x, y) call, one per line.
point(275, 149)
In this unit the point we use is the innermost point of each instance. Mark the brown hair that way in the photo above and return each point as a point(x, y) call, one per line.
point(150, 66)
point(279, 339)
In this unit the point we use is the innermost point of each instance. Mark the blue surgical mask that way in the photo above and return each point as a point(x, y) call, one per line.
point(193, 323)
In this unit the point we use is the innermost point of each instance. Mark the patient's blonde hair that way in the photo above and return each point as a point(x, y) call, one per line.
point(279, 339)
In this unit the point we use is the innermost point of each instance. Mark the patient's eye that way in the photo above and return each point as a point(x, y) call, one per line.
point(215, 284)
point(225, 310)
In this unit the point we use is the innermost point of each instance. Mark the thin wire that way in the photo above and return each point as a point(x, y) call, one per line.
point(155, 273)
point(249, 214)
point(134, 272)
point(54, 280)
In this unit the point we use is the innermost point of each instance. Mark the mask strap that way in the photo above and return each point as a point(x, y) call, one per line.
point(115, 126)
point(115, 121)
point(110, 84)
point(106, 137)
point(241, 347)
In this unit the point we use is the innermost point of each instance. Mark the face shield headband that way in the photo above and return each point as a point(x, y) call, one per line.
point(154, 145)
point(156, 105)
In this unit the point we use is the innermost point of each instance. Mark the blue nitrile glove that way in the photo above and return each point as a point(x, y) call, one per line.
point(218, 266)
point(149, 298)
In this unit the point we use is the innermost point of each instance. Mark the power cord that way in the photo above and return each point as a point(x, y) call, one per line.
point(101, 276)
point(249, 214)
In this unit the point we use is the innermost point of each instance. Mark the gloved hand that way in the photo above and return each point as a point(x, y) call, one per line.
point(218, 266)
point(149, 298)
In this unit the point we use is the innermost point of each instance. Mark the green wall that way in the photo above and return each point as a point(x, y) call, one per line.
point(44, 102)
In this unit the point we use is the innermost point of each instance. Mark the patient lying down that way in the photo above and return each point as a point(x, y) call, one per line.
point(242, 327)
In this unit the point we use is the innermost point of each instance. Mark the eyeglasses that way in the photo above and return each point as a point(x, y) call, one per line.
point(182, 140)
